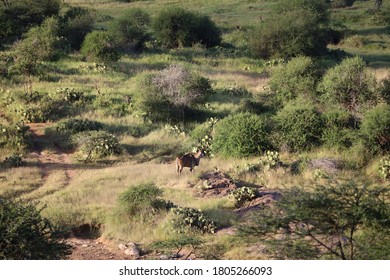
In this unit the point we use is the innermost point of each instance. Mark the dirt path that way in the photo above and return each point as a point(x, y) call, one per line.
point(50, 160)
point(57, 172)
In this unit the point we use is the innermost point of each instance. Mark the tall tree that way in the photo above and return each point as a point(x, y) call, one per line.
point(341, 220)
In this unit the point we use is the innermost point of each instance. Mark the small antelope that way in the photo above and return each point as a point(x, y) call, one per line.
point(188, 160)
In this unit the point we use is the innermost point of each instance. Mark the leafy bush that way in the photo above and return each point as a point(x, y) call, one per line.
point(98, 46)
point(74, 126)
point(15, 136)
point(384, 168)
point(40, 43)
point(75, 24)
point(349, 84)
point(26, 235)
point(243, 195)
point(177, 27)
point(169, 94)
point(299, 126)
point(97, 144)
point(375, 128)
point(14, 160)
point(207, 33)
point(42, 109)
point(338, 132)
point(296, 28)
point(18, 16)
point(295, 78)
point(142, 199)
point(240, 135)
point(129, 31)
point(190, 217)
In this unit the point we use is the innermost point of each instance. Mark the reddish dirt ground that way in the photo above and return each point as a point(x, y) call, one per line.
point(95, 249)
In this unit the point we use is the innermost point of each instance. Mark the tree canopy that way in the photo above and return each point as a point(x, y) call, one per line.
point(339, 220)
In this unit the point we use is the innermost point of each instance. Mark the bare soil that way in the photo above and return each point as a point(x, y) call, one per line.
point(95, 249)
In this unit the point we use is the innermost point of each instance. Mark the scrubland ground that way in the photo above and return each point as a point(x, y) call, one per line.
point(76, 192)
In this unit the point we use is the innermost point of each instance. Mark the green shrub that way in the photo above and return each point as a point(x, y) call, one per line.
point(375, 128)
point(299, 126)
point(97, 144)
point(42, 109)
point(74, 126)
point(243, 195)
point(240, 135)
point(142, 199)
point(177, 27)
point(207, 33)
point(338, 130)
point(295, 78)
point(384, 168)
point(349, 84)
point(195, 219)
point(98, 46)
point(75, 24)
point(129, 31)
point(40, 43)
point(15, 136)
point(26, 235)
point(296, 28)
point(16, 17)
point(14, 160)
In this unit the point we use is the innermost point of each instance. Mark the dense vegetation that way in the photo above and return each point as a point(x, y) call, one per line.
point(26, 235)
point(96, 100)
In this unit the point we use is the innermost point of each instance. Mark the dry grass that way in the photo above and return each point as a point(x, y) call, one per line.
point(20, 180)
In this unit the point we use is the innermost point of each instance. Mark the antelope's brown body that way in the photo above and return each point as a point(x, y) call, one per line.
point(188, 160)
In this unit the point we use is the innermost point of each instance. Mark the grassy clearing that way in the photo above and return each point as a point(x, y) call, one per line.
point(227, 15)
point(15, 182)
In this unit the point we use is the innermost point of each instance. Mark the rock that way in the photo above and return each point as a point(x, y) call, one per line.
point(164, 257)
point(122, 246)
point(325, 164)
point(215, 184)
point(132, 250)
